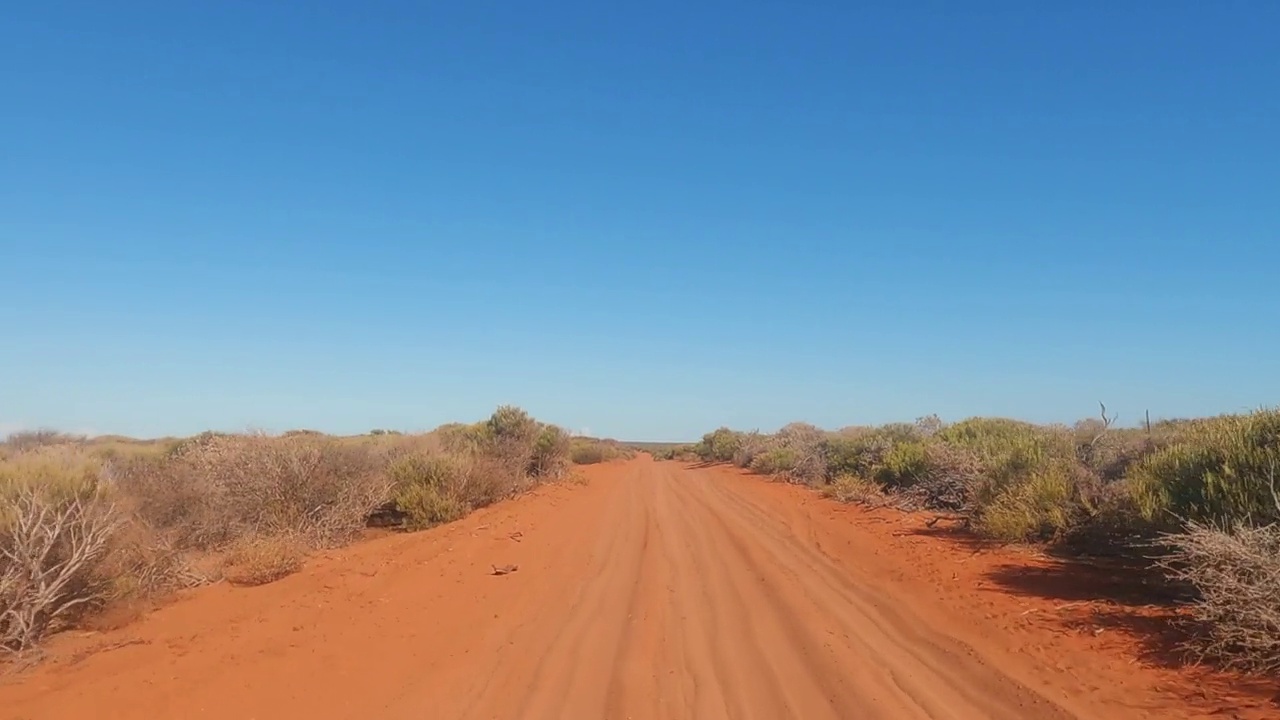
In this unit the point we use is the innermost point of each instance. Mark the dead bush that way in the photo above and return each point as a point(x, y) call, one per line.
point(174, 496)
point(490, 479)
point(50, 550)
point(796, 453)
point(750, 445)
point(143, 562)
point(947, 481)
point(807, 446)
point(1237, 576)
point(211, 491)
point(26, 440)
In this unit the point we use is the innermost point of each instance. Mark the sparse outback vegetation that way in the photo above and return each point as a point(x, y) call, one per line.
point(87, 522)
point(1201, 496)
point(589, 451)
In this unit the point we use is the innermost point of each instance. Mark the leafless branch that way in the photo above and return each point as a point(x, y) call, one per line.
point(46, 553)
point(1106, 425)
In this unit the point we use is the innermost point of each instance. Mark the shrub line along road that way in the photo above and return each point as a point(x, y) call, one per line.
point(653, 591)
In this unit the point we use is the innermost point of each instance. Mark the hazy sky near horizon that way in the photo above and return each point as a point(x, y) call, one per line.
point(644, 220)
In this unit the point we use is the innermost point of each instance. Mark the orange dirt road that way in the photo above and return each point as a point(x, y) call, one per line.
point(652, 591)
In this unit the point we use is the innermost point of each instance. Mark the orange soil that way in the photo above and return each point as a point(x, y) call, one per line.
point(653, 591)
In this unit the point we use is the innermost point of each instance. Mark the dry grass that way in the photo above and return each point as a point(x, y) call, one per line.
point(262, 560)
point(853, 489)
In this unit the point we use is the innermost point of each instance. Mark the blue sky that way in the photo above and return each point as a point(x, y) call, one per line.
point(646, 220)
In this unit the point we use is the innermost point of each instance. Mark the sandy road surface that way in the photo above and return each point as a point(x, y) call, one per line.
point(653, 591)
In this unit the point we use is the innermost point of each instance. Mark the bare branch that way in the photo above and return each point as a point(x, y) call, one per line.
point(45, 558)
point(1106, 425)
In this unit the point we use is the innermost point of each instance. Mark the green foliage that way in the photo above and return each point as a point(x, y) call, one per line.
point(775, 461)
point(510, 423)
point(480, 464)
point(550, 452)
point(1224, 470)
point(465, 438)
point(719, 446)
point(426, 506)
point(588, 454)
point(899, 432)
point(1010, 449)
point(1015, 480)
point(905, 464)
point(431, 470)
point(1036, 508)
point(856, 454)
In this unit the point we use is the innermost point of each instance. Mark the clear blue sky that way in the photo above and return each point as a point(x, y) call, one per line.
point(645, 220)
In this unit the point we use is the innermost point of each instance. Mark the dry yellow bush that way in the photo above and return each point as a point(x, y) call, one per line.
point(262, 560)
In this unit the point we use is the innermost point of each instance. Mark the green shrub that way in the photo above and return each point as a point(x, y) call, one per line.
point(464, 438)
point(900, 432)
point(426, 506)
point(1009, 449)
point(551, 449)
point(774, 461)
point(1223, 471)
point(511, 423)
point(1038, 508)
point(589, 453)
point(857, 454)
point(905, 464)
point(435, 470)
point(719, 446)
point(428, 488)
